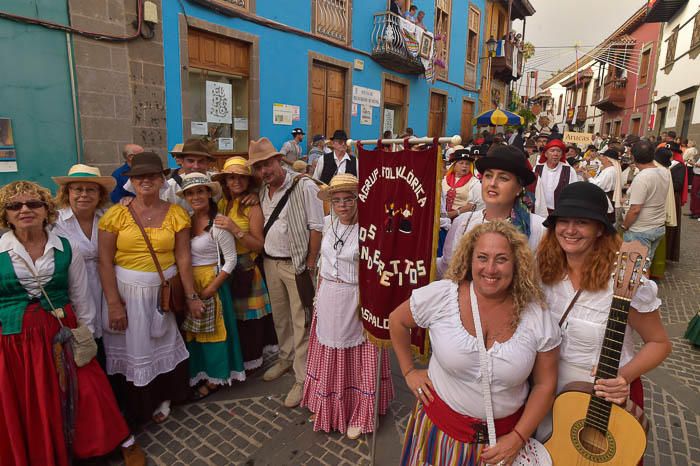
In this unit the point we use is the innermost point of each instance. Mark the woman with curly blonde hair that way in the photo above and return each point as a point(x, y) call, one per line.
point(575, 260)
point(51, 410)
point(494, 268)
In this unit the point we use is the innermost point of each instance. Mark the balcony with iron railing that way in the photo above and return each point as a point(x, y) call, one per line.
point(612, 95)
point(389, 45)
point(508, 64)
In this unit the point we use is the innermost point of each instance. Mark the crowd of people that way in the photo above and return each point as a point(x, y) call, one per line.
point(185, 280)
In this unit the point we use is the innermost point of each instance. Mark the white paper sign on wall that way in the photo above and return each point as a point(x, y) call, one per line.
point(388, 120)
point(365, 115)
point(672, 111)
point(366, 96)
point(218, 102)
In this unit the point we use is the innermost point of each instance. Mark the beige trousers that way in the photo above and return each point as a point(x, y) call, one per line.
point(288, 314)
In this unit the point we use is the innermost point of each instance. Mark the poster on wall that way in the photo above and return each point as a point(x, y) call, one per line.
point(198, 128)
point(672, 111)
point(218, 102)
point(366, 96)
point(388, 120)
point(365, 115)
point(8, 153)
point(283, 114)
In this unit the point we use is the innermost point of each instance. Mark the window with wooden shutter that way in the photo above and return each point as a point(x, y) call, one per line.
point(671, 47)
point(695, 39)
point(644, 67)
point(472, 58)
point(443, 10)
point(331, 19)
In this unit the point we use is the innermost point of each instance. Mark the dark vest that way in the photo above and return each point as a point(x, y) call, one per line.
point(14, 298)
point(563, 179)
point(330, 169)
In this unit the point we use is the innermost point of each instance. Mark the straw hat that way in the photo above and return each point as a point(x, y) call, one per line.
point(234, 165)
point(261, 150)
point(146, 163)
point(344, 183)
point(86, 173)
point(192, 180)
point(299, 166)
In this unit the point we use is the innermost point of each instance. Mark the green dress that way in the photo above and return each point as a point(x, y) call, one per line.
point(692, 333)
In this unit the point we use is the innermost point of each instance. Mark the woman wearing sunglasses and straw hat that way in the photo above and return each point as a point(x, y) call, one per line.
point(248, 290)
point(215, 353)
point(341, 367)
point(82, 196)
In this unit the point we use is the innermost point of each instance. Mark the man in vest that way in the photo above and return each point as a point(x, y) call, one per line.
point(291, 150)
point(339, 161)
point(552, 176)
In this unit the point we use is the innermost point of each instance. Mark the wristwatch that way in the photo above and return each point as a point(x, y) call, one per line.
point(240, 234)
point(192, 297)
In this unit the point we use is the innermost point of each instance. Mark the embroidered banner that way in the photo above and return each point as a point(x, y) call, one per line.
point(399, 221)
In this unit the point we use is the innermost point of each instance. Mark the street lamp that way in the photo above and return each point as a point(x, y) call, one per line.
point(491, 49)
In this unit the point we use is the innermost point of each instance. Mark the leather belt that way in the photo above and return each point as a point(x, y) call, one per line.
point(267, 256)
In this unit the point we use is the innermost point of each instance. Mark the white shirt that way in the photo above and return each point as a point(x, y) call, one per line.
point(67, 226)
point(44, 269)
point(584, 328)
point(454, 367)
point(206, 252)
point(291, 150)
point(470, 193)
point(341, 165)
point(465, 222)
point(340, 263)
point(277, 238)
point(550, 180)
point(605, 180)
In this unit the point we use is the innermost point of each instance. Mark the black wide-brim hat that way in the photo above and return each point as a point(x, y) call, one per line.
point(507, 158)
point(581, 200)
point(146, 163)
point(461, 154)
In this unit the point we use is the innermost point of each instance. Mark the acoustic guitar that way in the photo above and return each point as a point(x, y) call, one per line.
point(588, 430)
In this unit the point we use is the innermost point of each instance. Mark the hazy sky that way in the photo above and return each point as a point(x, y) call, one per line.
point(559, 23)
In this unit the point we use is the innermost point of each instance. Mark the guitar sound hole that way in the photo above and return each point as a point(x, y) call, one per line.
point(593, 440)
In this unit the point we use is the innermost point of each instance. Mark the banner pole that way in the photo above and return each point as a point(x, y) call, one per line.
point(380, 355)
point(456, 139)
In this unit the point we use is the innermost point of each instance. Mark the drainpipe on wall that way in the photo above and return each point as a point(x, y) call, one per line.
point(74, 99)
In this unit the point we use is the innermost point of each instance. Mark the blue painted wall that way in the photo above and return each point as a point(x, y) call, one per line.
point(284, 63)
point(35, 92)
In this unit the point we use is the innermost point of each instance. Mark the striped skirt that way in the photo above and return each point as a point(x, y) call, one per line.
point(340, 385)
point(426, 445)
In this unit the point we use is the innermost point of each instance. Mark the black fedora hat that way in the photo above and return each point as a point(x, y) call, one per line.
point(581, 200)
point(612, 153)
point(340, 134)
point(461, 154)
point(510, 159)
point(146, 163)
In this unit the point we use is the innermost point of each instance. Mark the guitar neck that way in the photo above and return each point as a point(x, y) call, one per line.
point(598, 413)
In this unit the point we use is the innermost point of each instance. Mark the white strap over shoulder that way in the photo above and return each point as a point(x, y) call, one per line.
point(485, 374)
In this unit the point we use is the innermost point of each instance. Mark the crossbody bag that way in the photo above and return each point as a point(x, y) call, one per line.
point(533, 453)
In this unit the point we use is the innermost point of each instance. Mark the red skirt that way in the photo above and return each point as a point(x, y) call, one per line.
point(31, 420)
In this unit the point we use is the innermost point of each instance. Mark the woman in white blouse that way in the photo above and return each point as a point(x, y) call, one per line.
point(45, 397)
point(82, 196)
point(341, 367)
point(494, 263)
point(215, 355)
point(504, 177)
point(578, 254)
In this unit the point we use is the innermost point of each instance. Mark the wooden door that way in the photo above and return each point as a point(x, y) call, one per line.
point(327, 111)
point(636, 124)
point(436, 118)
point(467, 115)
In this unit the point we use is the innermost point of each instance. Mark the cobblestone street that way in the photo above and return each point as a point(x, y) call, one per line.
point(248, 424)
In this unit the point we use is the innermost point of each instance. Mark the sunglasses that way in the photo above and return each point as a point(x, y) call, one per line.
point(34, 204)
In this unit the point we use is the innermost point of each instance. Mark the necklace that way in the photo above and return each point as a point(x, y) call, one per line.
point(340, 239)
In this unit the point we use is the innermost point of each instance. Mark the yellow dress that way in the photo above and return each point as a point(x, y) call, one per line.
point(132, 252)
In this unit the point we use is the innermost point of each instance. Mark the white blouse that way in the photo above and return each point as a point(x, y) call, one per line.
point(67, 226)
point(340, 263)
point(465, 222)
point(44, 269)
point(584, 328)
point(205, 250)
point(454, 367)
